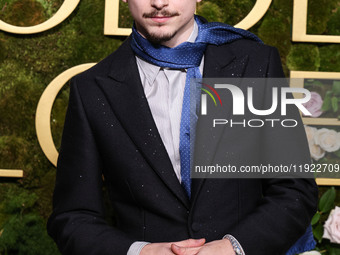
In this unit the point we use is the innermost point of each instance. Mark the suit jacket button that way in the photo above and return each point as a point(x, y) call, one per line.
point(195, 226)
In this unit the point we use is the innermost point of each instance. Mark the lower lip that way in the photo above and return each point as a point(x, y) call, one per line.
point(160, 20)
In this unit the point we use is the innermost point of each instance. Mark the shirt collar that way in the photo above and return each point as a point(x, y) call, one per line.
point(151, 71)
point(193, 34)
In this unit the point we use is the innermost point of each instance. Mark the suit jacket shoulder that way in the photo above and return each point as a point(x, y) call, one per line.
point(242, 58)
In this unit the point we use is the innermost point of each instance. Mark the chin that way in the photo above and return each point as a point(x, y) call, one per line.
point(160, 37)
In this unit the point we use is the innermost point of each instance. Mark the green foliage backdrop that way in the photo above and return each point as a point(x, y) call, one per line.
point(28, 63)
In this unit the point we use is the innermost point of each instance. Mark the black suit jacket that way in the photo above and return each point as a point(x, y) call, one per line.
point(109, 131)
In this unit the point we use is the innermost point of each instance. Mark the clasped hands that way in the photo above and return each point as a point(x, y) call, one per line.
point(190, 247)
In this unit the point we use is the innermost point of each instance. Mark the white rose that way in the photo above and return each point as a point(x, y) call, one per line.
point(327, 139)
point(332, 226)
point(315, 150)
point(310, 132)
point(311, 253)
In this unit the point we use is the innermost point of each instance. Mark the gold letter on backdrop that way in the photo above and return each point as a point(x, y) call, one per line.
point(300, 26)
point(11, 173)
point(64, 11)
point(259, 10)
point(112, 17)
point(44, 109)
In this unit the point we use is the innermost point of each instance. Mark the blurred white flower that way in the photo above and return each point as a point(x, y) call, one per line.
point(332, 226)
point(327, 139)
point(316, 151)
point(310, 132)
point(311, 253)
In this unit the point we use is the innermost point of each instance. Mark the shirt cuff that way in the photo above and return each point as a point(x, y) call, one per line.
point(136, 247)
point(236, 245)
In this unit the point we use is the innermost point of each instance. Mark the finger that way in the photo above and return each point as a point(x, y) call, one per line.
point(184, 250)
point(191, 243)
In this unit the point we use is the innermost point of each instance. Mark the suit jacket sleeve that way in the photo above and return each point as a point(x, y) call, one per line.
point(288, 205)
point(77, 223)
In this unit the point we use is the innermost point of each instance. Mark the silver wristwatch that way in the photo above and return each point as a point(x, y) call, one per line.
point(236, 245)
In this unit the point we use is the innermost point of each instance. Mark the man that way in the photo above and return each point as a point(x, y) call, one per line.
point(125, 121)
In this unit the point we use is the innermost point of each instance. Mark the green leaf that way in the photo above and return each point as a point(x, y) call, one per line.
point(335, 105)
point(315, 218)
point(334, 250)
point(312, 82)
point(336, 88)
point(327, 104)
point(326, 202)
point(318, 232)
point(318, 83)
point(337, 153)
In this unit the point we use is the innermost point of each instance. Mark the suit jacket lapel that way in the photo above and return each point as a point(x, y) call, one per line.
point(125, 94)
point(219, 62)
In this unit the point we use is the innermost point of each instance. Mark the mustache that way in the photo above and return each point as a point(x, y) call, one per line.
point(163, 13)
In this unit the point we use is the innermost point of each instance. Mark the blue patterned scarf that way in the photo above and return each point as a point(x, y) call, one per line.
point(189, 55)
